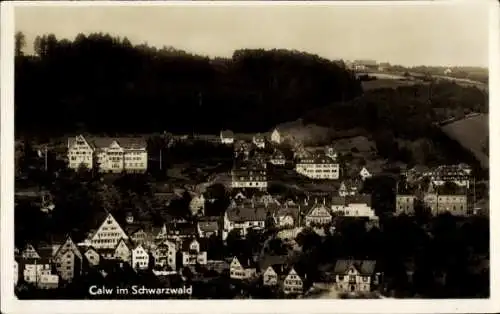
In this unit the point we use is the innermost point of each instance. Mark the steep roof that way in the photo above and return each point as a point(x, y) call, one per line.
point(209, 223)
point(278, 262)
point(364, 267)
point(104, 142)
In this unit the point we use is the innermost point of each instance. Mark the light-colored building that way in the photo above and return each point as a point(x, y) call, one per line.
point(109, 154)
point(140, 258)
point(259, 140)
point(193, 252)
point(29, 252)
point(242, 270)
point(93, 258)
point(457, 174)
point(288, 216)
point(277, 158)
point(108, 234)
point(276, 137)
point(208, 226)
point(349, 188)
point(197, 204)
point(122, 251)
point(456, 204)
point(246, 216)
point(293, 283)
point(39, 273)
point(355, 275)
point(405, 204)
point(322, 167)
point(319, 214)
point(353, 206)
point(48, 281)
point(165, 254)
point(249, 176)
point(364, 173)
point(226, 137)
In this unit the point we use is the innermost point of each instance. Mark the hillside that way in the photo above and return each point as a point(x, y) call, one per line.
point(473, 134)
point(103, 84)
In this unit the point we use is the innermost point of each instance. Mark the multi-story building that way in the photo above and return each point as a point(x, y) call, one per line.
point(194, 252)
point(319, 167)
point(457, 174)
point(109, 154)
point(164, 254)
point(353, 206)
point(355, 275)
point(259, 140)
point(227, 137)
point(244, 217)
point(249, 176)
point(122, 251)
point(140, 258)
point(319, 214)
point(293, 283)
point(405, 204)
point(16, 272)
point(108, 234)
point(242, 269)
point(93, 258)
point(456, 204)
point(277, 158)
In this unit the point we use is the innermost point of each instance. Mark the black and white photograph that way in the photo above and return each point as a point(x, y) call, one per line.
point(221, 151)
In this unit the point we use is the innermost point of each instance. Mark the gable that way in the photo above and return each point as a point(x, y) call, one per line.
point(122, 247)
point(110, 223)
point(352, 270)
point(79, 142)
point(114, 145)
point(319, 212)
point(69, 245)
point(235, 263)
point(270, 271)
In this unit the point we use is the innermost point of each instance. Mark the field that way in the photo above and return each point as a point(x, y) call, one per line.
point(472, 133)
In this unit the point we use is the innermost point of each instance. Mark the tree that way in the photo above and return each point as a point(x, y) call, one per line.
point(19, 43)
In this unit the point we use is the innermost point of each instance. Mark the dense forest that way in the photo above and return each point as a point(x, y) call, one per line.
point(100, 83)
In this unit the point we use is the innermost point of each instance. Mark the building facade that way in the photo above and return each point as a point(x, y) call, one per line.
point(323, 168)
point(108, 234)
point(109, 154)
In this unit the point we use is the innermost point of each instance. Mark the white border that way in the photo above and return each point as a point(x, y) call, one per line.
point(10, 304)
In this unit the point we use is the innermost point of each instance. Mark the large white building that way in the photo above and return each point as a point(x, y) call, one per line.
point(111, 154)
point(108, 235)
point(319, 167)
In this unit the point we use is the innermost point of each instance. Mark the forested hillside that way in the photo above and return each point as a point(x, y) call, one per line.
point(101, 83)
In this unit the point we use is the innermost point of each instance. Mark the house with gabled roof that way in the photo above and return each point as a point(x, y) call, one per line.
point(194, 251)
point(29, 252)
point(259, 140)
point(68, 260)
point(288, 216)
point(242, 268)
point(273, 269)
point(349, 187)
point(208, 226)
point(318, 167)
point(111, 154)
point(140, 258)
point(276, 137)
point(108, 234)
point(277, 158)
point(227, 137)
point(122, 251)
point(92, 256)
point(364, 173)
point(295, 281)
point(164, 254)
point(319, 214)
point(355, 275)
point(244, 217)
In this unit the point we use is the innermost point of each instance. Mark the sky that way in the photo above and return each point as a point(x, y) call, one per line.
point(417, 34)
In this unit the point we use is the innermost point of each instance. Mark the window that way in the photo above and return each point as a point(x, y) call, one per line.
point(341, 277)
point(352, 278)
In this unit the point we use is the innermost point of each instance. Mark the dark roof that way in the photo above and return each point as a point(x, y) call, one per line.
point(248, 213)
point(338, 200)
point(321, 159)
point(294, 211)
point(105, 251)
point(364, 267)
point(102, 142)
point(207, 225)
point(227, 134)
point(278, 262)
point(259, 137)
point(203, 244)
point(247, 262)
point(359, 199)
point(352, 184)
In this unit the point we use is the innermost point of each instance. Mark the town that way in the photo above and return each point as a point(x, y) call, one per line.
point(242, 216)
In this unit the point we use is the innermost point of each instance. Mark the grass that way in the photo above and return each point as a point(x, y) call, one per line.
point(471, 133)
